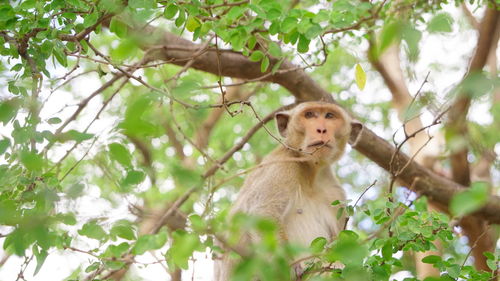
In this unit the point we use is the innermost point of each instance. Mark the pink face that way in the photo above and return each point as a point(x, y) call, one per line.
point(322, 125)
point(316, 128)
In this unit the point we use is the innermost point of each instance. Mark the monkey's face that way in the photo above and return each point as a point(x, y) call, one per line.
point(318, 129)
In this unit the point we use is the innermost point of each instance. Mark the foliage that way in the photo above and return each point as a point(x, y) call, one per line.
point(80, 141)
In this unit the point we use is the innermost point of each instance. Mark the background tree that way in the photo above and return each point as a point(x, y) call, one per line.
point(128, 126)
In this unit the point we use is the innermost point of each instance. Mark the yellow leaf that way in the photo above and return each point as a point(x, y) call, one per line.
point(360, 77)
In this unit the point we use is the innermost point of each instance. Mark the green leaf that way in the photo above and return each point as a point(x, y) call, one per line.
point(454, 270)
point(360, 77)
point(313, 31)
point(469, 200)
point(123, 229)
point(390, 33)
point(31, 160)
point(93, 267)
point(492, 264)
point(256, 56)
point(120, 154)
point(125, 50)
point(288, 24)
point(387, 251)
point(181, 18)
point(133, 177)
point(318, 244)
point(28, 4)
point(73, 135)
point(264, 65)
point(476, 85)
point(197, 223)
point(170, 11)
point(273, 14)
point(8, 110)
point(75, 190)
point(93, 230)
point(183, 247)
point(54, 120)
point(235, 12)
point(118, 250)
point(149, 242)
point(41, 256)
point(192, 23)
point(303, 45)
point(441, 22)
point(431, 259)
point(274, 50)
point(412, 37)
point(4, 144)
point(118, 27)
point(90, 19)
point(60, 55)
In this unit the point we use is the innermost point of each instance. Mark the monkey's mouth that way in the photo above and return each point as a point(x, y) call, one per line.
point(319, 144)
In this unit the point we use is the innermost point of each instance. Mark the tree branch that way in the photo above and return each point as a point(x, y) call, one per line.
point(458, 113)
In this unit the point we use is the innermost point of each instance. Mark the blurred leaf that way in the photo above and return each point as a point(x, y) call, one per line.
point(73, 135)
point(475, 85)
point(185, 177)
point(318, 244)
point(412, 37)
point(256, 56)
point(119, 250)
point(93, 230)
point(31, 160)
point(54, 120)
point(90, 19)
point(192, 23)
point(360, 77)
point(149, 242)
point(123, 229)
point(390, 33)
point(469, 200)
point(264, 64)
point(4, 144)
point(183, 247)
point(431, 259)
point(197, 223)
point(8, 110)
point(120, 154)
point(118, 27)
point(303, 45)
point(441, 22)
point(347, 249)
point(41, 256)
point(75, 190)
point(133, 177)
point(170, 11)
point(127, 49)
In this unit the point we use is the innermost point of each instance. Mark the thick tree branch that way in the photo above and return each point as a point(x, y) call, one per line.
point(458, 113)
point(178, 50)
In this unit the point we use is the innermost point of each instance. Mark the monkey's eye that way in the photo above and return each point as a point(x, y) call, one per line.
point(329, 115)
point(309, 114)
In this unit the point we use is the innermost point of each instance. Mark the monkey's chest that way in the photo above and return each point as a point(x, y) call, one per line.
point(308, 218)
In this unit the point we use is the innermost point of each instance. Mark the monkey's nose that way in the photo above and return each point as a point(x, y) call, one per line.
point(321, 131)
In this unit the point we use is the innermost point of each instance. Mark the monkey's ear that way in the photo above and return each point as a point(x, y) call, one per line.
point(356, 128)
point(282, 122)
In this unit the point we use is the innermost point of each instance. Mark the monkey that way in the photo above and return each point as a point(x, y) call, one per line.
point(294, 185)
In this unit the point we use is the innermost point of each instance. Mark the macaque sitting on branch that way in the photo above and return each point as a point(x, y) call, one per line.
point(294, 185)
